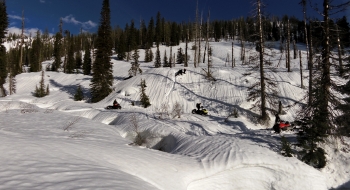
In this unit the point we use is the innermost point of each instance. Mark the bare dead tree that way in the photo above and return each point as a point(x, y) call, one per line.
point(301, 71)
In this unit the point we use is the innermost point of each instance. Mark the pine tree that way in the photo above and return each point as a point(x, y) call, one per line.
point(102, 76)
point(147, 56)
point(87, 60)
point(343, 120)
point(3, 26)
point(158, 30)
point(143, 97)
point(35, 57)
point(12, 59)
point(57, 52)
point(78, 61)
point(157, 62)
point(151, 55)
point(165, 60)
point(41, 91)
point(286, 149)
point(70, 65)
point(79, 95)
point(318, 118)
point(135, 66)
point(180, 56)
point(150, 33)
point(121, 47)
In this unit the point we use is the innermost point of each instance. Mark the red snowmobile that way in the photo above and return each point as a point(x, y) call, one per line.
point(282, 125)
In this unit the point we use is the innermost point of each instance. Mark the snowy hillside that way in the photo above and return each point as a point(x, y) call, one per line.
point(55, 142)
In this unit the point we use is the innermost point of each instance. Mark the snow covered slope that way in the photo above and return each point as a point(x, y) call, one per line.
point(57, 143)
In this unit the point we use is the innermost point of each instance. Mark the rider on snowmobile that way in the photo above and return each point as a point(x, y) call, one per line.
point(115, 103)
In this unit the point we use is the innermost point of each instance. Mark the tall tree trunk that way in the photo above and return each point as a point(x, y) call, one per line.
point(264, 115)
point(20, 64)
point(186, 61)
point(305, 29)
point(326, 78)
point(288, 46)
point(301, 71)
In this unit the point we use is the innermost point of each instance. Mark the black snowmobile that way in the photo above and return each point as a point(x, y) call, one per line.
point(201, 111)
point(113, 107)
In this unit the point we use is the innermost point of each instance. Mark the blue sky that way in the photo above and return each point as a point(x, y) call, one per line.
point(85, 14)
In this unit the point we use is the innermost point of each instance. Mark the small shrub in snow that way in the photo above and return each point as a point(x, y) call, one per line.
point(78, 96)
point(177, 110)
point(163, 111)
point(140, 138)
point(286, 149)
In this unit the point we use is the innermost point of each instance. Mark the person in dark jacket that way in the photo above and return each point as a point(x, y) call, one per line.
point(278, 119)
point(115, 103)
point(198, 105)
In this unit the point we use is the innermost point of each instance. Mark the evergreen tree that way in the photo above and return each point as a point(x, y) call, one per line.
point(150, 55)
point(78, 60)
point(102, 76)
point(143, 97)
point(286, 149)
point(158, 30)
point(79, 95)
point(150, 33)
point(12, 59)
point(3, 26)
point(35, 57)
point(41, 91)
point(344, 120)
point(122, 47)
point(180, 56)
point(165, 60)
point(318, 118)
point(57, 52)
point(135, 66)
point(70, 65)
point(87, 61)
point(157, 62)
point(147, 56)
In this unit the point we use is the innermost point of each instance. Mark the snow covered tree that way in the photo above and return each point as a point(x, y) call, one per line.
point(102, 76)
point(143, 96)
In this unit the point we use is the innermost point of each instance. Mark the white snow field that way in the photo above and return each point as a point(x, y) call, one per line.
point(57, 143)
